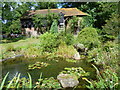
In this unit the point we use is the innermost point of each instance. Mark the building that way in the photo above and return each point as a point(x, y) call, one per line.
point(65, 13)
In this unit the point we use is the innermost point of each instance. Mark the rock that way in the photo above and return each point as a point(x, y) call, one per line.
point(11, 57)
point(79, 47)
point(76, 56)
point(67, 80)
point(34, 34)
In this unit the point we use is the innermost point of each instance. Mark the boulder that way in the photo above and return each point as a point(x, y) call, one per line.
point(79, 47)
point(34, 34)
point(67, 80)
point(76, 56)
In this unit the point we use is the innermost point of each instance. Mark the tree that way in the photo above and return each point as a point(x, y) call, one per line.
point(44, 20)
point(12, 12)
point(112, 26)
point(45, 5)
point(98, 12)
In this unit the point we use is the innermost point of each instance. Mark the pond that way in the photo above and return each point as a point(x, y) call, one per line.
point(20, 65)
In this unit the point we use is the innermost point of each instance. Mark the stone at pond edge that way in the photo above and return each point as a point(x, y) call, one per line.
point(76, 56)
point(80, 47)
point(67, 80)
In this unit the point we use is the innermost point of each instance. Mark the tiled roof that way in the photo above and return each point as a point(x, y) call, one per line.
point(66, 11)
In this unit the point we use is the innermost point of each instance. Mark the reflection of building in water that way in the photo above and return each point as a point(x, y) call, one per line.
point(65, 16)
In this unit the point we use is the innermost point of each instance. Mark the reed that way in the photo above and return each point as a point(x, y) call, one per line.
point(3, 82)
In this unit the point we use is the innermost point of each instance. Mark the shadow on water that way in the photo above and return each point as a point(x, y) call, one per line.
point(20, 65)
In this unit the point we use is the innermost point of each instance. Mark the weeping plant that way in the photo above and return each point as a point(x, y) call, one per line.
point(107, 80)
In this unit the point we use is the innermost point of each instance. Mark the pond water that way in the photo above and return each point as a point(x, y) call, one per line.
point(20, 65)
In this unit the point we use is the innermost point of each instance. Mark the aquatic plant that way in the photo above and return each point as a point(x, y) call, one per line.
point(48, 83)
point(77, 71)
point(8, 86)
point(71, 60)
point(38, 65)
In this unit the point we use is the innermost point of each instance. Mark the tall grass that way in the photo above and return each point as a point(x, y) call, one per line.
point(107, 80)
point(30, 85)
point(16, 82)
point(3, 82)
point(8, 86)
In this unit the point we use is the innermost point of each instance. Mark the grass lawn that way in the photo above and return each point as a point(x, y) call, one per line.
point(5, 47)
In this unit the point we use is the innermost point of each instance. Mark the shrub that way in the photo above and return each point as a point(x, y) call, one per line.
point(106, 80)
point(94, 52)
point(54, 27)
point(108, 45)
point(48, 42)
point(108, 55)
point(66, 51)
point(89, 37)
point(68, 38)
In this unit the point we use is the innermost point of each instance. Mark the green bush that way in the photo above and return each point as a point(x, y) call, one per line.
point(48, 42)
point(107, 55)
point(54, 27)
point(89, 37)
point(94, 52)
point(68, 38)
point(66, 51)
point(108, 45)
point(108, 80)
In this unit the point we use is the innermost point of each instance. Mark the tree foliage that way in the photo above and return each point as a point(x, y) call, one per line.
point(12, 12)
point(44, 20)
point(98, 11)
point(112, 26)
point(46, 5)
